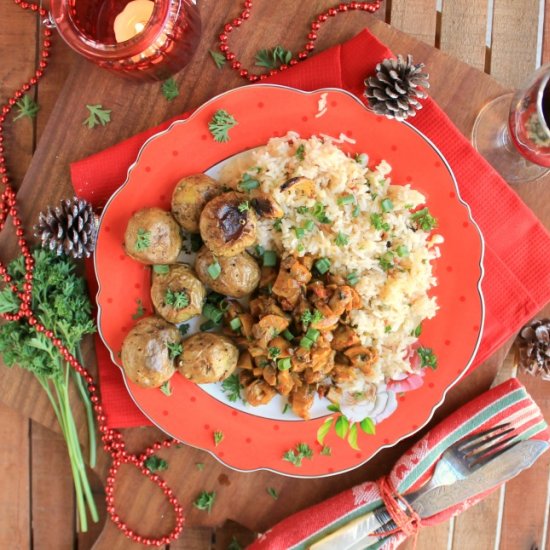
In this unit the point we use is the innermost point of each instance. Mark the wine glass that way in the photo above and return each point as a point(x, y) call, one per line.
point(512, 131)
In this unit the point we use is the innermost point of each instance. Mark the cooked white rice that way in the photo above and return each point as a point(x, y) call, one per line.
point(394, 303)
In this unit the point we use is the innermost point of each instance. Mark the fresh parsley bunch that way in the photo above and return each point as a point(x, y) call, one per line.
point(60, 301)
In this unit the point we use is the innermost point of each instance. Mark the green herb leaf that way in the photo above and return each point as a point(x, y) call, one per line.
point(98, 115)
point(299, 232)
point(341, 239)
point(140, 311)
point(305, 450)
point(424, 220)
point(220, 124)
point(243, 206)
point(417, 331)
point(387, 205)
point(287, 335)
point(218, 58)
point(322, 265)
point(248, 183)
point(368, 426)
point(346, 199)
point(214, 269)
point(232, 387)
point(273, 352)
point(176, 299)
point(285, 408)
point(284, 364)
point(356, 211)
point(184, 329)
point(293, 458)
point(170, 89)
point(174, 349)
point(352, 278)
point(302, 210)
point(352, 437)
point(143, 239)
point(277, 225)
point(235, 544)
point(296, 455)
point(205, 501)
point(300, 152)
point(161, 269)
point(199, 466)
point(318, 212)
point(27, 107)
point(326, 451)
point(213, 313)
point(166, 388)
point(272, 493)
point(273, 58)
point(427, 358)
point(155, 464)
point(341, 427)
point(270, 258)
point(333, 407)
point(402, 251)
point(324, 429)
point(386, 261)
point(218, 437)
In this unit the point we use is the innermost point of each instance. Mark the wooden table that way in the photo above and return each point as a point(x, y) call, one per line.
point(36, 499)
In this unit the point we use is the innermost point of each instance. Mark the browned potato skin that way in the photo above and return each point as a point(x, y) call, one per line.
point(180, 278)
point(224, 229)
point(189, 197)
point(207, 358)
point(145, 356)
point(165, 237)
point(240, 274)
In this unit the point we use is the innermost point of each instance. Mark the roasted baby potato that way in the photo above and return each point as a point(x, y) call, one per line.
point(190, 196)
point(153, 237)
point(177, 295)
point(236, 276)
point(207, 358)
point(146, 357)
point(228, 224)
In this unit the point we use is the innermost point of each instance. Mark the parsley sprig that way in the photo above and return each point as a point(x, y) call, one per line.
point(155, 464)
point(232, 387)
point(98, 115)
point(220, 124)
point(170, 89)
point(218, 58)
point(296, 455)
point(273, 58)
point(176, 299)
point(27, 108)
point(205, 501)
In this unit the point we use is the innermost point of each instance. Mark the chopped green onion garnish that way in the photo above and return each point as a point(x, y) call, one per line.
point(260, 250)
point(402, 251)
point(387, 205)
point(386, 261)
point(212, 313)
point(299, 232)
point(312, 334)
point(208, 325)
point(352, 278)
point(270, 258)
point(302, 209)
point(248, 183)
point(300, 152)
point(214, 270)
point(235, 324)
point(277, 224)
point(322, 265)
point(287, 335)
point(356, 211)
point(305, 342)
point(300, 247)
point(284, 364)
point(309, 225)
point(346, 199)
point(341, 239)
point(161, 269)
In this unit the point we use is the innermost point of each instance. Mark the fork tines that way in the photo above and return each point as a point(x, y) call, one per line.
point(482, 447)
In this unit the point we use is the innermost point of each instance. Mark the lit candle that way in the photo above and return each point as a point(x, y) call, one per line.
point(132, 19)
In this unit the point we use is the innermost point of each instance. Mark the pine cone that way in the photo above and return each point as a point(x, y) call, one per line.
point(68, 229)
point(534, 348)
point(397, 87)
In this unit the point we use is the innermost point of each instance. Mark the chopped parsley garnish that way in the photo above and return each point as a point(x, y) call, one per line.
point(300, 152)
point(184, 329)
point(296, 455)
point(285, 408)
point(170, 89)
point(277, 225)
point(387, 205)
point(218, 58)
point(248, 183)
point(341, 239)
point(284, 364)
point(273, 58)
point(326, 450)
point(140, 311)
point(361, 158)
point(346, 199)
point(417, 331)
point(322, 265)
point(386, 261)
point(300, 247)
point(205, 501)
point(155, 464)
point(214, 269)
point(244, 206)
point(174, 349)
point(218, 437)
point(161, 269)
point(377, 223)
point(424, 220)
point(318, 212)
point(232, 388)
point(272, 493)
point(309, 225)
point(387, 329)
point(199, 466)
point(220, 124)
point(356, 211)
point(98, 115)
point(302, 210)
point(270, 258)
point(352, 278)
point(166, 388)
point(176, 299)
point(274, 352)
point(427, 358)
point(143, 239)
point(402, 251)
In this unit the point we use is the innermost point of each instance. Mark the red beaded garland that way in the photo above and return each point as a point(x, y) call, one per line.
point(309, 46)
point(112, 439)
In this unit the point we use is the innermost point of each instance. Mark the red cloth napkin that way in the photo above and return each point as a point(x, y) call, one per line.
point(508, 402)
point(517, 267)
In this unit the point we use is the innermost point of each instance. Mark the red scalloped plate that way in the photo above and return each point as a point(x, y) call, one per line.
point(251, 441)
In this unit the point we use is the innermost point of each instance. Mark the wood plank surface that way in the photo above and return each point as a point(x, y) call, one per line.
point(201, 80)
point(463, 30)
point(514, 41)
point(416, 18)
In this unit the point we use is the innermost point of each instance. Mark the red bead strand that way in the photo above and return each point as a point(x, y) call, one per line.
point(112, 439)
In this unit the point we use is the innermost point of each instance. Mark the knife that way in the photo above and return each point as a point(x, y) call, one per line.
point(356, 534)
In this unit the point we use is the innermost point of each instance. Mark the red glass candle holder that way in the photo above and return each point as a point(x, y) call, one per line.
point(164, 46)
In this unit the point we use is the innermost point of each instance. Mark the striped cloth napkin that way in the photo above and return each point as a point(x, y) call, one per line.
point(508, 402)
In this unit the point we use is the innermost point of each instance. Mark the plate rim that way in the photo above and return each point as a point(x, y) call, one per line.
point(196, 113)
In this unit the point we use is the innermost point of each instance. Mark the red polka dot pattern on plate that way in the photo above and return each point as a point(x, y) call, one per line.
point(447, 342)
point(386, 441)
point(109, 300)
point(147, 168)
point(207, 426)
point(248, 440)
point(393, 147)
point(452, 195)
point(193, 398)
point(261, 105)
point(175, 153)
point(431, 385)
point(462, 298)
point(164, 413)
point(234, 413)
point(449, 268)
point(304, 118)
point(437, 164)
point(475, 328)
point(204, 137)
point(465, 224)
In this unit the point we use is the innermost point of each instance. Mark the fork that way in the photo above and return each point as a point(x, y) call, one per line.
point(458, 462)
